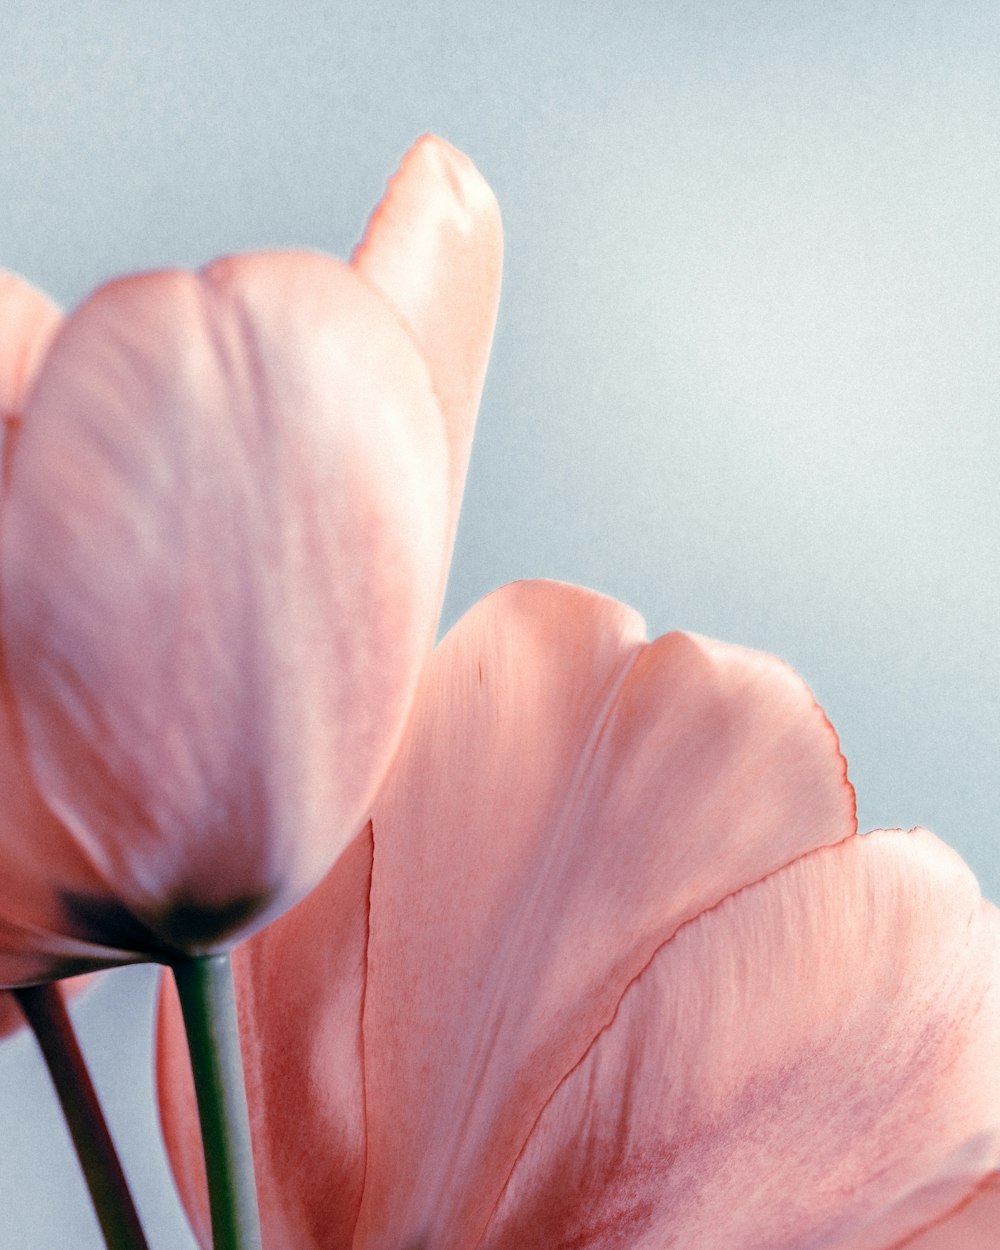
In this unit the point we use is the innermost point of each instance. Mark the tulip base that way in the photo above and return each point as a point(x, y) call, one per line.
point(208, 1003)
point(46, 1013)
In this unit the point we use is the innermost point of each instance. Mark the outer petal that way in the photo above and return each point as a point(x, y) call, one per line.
point(434, 247)
point(566, 797)
point(300, 995)
point(811, 1064)
point(224, 543)
point(34, 847)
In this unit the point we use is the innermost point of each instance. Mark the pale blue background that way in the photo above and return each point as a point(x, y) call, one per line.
point(746, 374)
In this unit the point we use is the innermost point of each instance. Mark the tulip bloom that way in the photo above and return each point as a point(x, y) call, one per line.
point(612, 968)
point(228, 506)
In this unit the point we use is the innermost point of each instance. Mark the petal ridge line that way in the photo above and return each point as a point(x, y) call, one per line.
point(609, 1023)
point(980, 1187)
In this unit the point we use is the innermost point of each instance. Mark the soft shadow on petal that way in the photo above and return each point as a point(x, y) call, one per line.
point(434, 248)
point(224, 540)
point(40, 867)
point(809, 1064)
point(300, 990)
point(566, 797)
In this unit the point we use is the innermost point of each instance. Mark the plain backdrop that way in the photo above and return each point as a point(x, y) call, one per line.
point(745, 376)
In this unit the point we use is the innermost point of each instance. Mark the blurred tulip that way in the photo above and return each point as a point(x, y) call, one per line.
point(229, 501)
point(612, 968)
point(11, 1015)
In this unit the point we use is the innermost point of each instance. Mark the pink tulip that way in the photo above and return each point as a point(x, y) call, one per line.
point(229, 501)
point(612, 968)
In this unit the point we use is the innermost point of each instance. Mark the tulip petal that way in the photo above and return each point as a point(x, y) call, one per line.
point(566, 797)
point(300, 1004)
point(28, 319)
point(972, 1226)
point(35, 850)
point(811, 1063)
point(223, 547)
point(434, 248)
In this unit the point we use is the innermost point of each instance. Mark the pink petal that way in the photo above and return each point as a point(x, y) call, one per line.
point(28, 320)
point(40, 867)
point(223, 549)
point(972, 1226)
point(811, 1063)
point(300, 1003)
point(567, 796)
point(434, 247)
point(37, 941)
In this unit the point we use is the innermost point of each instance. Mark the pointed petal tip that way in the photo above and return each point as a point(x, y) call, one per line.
point(433, 251)
point(437, 168)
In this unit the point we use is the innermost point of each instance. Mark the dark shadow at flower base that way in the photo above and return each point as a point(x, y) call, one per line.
point(183, 927)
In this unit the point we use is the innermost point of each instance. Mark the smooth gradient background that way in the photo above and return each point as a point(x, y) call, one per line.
point(746, 375)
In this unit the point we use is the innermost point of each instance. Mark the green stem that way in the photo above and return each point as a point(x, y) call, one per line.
point(205, 988)
point(46, 1013)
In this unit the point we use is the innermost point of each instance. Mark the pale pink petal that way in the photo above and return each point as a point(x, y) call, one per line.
point(38, 941)
point(41, 867)
point(300, 987)
point(223, 547)
point(972, 1226)
point(811, 1064)
point(28, 319)
point(434, 248)
point(566, 797)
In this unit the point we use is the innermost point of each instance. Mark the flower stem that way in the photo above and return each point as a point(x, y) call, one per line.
point(45, 1010)
point(208, 1002)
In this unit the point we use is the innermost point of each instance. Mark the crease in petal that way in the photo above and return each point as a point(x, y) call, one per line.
point(805, 1064)
point(972, 1225)
point(611, 790)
